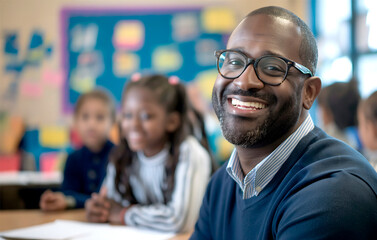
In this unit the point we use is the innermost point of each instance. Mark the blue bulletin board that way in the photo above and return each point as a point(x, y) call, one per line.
point(104, 47)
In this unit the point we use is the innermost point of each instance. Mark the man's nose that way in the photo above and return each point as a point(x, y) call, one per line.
point(248, 80)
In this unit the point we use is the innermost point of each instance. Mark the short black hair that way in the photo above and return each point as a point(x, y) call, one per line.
point(308, 51)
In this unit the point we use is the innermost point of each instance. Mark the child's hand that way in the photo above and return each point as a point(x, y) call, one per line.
point(52, 201)
point(116, 213)
point(98, 207)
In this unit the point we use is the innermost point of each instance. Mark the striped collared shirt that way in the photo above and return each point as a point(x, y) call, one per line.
point(254, 182)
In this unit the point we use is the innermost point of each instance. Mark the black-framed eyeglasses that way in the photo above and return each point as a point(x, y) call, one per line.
point(270, 69)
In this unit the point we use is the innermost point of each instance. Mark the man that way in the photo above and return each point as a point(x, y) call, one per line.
point(286, 178)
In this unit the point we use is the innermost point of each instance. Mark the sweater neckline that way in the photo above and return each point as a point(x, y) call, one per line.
point(154, 160)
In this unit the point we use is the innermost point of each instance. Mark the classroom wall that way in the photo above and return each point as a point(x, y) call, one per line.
point(42, 106)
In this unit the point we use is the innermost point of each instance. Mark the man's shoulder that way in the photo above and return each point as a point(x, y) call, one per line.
point(326, 158)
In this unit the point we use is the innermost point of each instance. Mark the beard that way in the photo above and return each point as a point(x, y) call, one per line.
point(274, 126)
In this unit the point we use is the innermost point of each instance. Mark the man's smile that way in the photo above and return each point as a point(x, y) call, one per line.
point(247, 105)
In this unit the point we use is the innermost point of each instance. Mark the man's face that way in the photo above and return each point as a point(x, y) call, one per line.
point(253, 114)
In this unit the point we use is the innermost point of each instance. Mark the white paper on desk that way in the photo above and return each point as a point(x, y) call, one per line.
point(64, 229)
point(57, 230)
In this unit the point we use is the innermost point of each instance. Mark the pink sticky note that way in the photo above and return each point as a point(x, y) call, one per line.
point(48, 162)
point(52, 78)
point(10, 162)
point(31, 89)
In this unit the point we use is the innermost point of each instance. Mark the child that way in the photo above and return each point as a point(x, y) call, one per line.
point(367, 117)
point(85, 168)
point(158, 174)
point(337, 105)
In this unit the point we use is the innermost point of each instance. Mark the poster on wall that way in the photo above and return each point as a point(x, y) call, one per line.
point(104, 47)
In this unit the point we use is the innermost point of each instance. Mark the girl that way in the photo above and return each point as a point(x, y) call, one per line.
point(367, 118)
point(159, 172)
point(84, 170)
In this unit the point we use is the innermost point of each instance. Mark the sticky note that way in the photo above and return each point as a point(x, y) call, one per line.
point(10, 162)
point(84, 38)
point(52, 161)
point(31, 89)
point(218, 20)
point(114, 134)
point(82, 84)
point(205, 81)
point(53, 78)
point(53, 136)
point(185, 27)
point(48, 162)
point(129, 34)
point(125, 63)
point(224, 147)
point(167, 59)
point(75, 138)
point(10, 134)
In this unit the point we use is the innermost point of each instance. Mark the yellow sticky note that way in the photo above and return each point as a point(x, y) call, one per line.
point(167, 59)
point(129, 35)
point(205, 81)
point(53, 136)
point(218, 20)
point(125, 63)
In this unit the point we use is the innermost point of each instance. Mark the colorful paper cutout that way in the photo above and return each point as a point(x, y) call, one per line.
point(53, 136)
point(185, 27)
point(218, 20)
point(205, 81)
point(84, 38)
point(11, 44)
point(52, 161)
point(167, 59)
point(125, 63)
point(204, 52)
point(129, 35)
point(52, 78)
point(31, 89)
point(11, 133)
point(10, 163)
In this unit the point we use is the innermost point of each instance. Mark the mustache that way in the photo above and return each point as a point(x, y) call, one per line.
point(250, 93)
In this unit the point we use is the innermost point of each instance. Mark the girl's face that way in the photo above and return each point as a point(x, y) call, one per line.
point(145, 123)
point(93, 122)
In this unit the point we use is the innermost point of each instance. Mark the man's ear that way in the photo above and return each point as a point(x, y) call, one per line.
point(173, 122)
point(310, 91)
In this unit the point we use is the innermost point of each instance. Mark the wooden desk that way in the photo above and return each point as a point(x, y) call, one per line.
point(12, 219)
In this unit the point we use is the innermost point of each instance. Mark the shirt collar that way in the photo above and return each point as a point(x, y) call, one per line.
point(254, 182)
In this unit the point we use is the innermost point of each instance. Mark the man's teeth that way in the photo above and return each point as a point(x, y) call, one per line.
point(247, 105)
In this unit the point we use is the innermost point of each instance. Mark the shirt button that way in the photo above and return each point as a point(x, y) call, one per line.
point(258, 189)
point(92, 174)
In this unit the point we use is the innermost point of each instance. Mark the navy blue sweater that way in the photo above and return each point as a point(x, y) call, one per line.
point(84, 172)
point(325, 190)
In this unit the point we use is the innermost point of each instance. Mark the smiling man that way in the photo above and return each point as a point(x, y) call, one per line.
point(286, 179)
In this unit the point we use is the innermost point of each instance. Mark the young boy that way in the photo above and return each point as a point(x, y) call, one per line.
point(367, 117)
point(85, 168)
